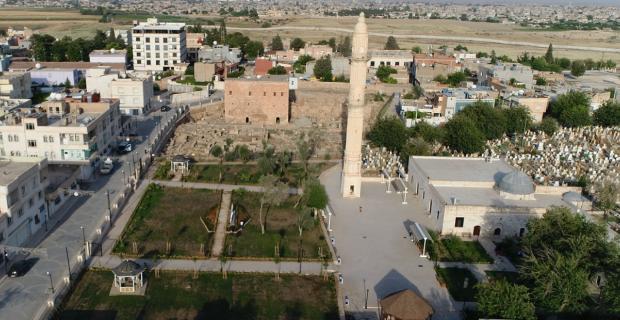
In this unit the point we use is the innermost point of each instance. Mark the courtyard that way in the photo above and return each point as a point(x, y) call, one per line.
point(171, 222)
point(180, 295)
point(281, 230)
point(378, 257)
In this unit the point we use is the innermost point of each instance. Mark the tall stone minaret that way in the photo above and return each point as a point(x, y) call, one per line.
point(352, 167)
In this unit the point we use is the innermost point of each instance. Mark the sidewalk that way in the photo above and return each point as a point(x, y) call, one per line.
point(214, 265)
point(215, 186)
point(222, 221)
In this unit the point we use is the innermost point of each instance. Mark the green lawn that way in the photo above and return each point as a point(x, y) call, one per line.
point(192, 81)
point(454, 249)
point(178, 296)
point(171, 215)
point(454, 279)
point(281, 229)
point(248, 174)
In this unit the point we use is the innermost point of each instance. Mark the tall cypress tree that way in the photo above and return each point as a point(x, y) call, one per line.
point(549, 54)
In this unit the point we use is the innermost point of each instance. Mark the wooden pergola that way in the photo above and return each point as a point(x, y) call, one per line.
point(405, 305)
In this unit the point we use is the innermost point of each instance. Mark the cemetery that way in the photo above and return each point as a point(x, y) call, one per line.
point(282, 222)
point(167, 222)
point(183, 295)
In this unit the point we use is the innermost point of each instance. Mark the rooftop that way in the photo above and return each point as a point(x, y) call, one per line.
point(111, 52)
point(11, 170)
point(28, 65)
point(473, 196)
point(462, 169)
point(391, 53)
point(265, 78)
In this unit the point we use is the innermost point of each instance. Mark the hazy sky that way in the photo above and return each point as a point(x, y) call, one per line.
point(554, 2)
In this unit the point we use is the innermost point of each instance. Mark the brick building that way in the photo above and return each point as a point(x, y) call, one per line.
point(260, 100)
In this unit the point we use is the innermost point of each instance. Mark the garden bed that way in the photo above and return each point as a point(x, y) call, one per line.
point(177, 295)
point(167, 222)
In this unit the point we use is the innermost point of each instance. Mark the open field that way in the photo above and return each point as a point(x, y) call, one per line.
point(69, 22)
point(171, 215)
point(281, 230)
point(178, 296)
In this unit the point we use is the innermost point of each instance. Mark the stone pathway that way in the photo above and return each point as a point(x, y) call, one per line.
point(222, 221)
point(216, 186)
point(214, 265)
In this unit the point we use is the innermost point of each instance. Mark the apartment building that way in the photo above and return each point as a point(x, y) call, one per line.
point(134, 90)
point(158, 46)
point(16, 85)
point(23, 208)
point(72, 130)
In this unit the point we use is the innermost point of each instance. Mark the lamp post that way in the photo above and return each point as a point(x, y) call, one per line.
point(68, 263)
point(107, 193)
point(49, 274)
point(124, 179)
point(83, 235)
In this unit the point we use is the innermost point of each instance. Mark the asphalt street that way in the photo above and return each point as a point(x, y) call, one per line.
point(27, 297)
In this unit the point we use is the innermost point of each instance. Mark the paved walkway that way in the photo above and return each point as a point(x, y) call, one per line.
point(215, 265)
point(222, 221)
point(215, 186)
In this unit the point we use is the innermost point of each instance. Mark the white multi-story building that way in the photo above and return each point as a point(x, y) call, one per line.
point(69, 131)
point(16, 85)
point(158, 46)
point(22, 199)
point(134, 90)
point(108, 56)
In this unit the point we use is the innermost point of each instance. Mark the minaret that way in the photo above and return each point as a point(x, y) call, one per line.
point(352, 167)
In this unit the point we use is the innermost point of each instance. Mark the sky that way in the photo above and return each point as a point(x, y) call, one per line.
point(550, 2)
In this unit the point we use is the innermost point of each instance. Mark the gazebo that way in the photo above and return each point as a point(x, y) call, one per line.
point(405, 305)
point(180, 162)
point(128, 277)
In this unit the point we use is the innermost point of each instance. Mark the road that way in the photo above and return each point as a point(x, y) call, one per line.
point(27, 297)
point(432, 37)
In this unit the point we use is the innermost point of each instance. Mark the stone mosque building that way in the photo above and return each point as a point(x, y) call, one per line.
point(483, 196)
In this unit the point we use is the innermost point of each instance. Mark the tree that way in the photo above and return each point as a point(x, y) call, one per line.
point(384, 73)
point(416, 49)
point(100, 40)
point(67, 84)
point(306, 147)
point(460, 47)
point(274, 193)
point(549, 126)
point(315, 195)
point(607, 196)
point(493, 57)
point(462, 135)
point(541, 82)
point(388, 132)
point(489, 120)
point(391, 44)
point(279, 69)
point(222, 33)
point(501, 299)
point(549, 55)
point(300, 65)
point(297, 44)
point(276, 43)
point(572, 109)
point(323, 69)
point(428, 132)
point(243, 153)
point(454, 79)
point(332, 44)
point(608, 114)
point(610, 293)
point(578, 68)
point(518, 120)
point(253, 49)
point(82, 83)
point(42, 47)
point(416, 147)
point(266, 161)
point(344, 47)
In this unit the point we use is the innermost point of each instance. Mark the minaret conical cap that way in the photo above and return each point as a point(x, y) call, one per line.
point(360, 27)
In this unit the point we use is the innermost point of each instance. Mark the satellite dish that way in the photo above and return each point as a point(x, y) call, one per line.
point(112, 50)
point(38, 66)
point(214, 43)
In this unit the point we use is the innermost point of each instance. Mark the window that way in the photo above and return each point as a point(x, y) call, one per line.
point(15, 138)
point(156, 40)
point(497, 231)
point(148, 40)
point(165, 47)
point(29, 126)
point(157, 55)
point(264, 93)
point(137, 38)
point(30, 202)
point(138, 54)
point(20, 212)
point(156, 62)
point(165, 62)
point(173, 39)
point(274, 94)
point(148, 62)
point(44, 138)
point(23, 191)
point(397, 63)
point(372, 63)
point(138, 47)
point(165, 40)
point(10, 138)
point(148, 47)
point(281, 94)
point(458, 222)
point(139, 61)
point(249, 93)
point(40, 195)
point(389, 63)
point(50, 138)
point(174, 55)
point(9, 221)
point(32, 143)
point(230, 93)
point(1, 236)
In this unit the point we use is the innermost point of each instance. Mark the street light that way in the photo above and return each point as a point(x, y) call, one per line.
point(124, 179)
point(107, 193)
point(68, 263)
point(83, 235)
point(51, 281)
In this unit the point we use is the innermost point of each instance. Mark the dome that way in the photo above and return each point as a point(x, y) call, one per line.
point(516, 182)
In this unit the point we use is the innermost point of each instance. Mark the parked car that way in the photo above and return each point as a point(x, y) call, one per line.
point(124, 147)
point(21, 267)
point(107, 166)
point(165, 108)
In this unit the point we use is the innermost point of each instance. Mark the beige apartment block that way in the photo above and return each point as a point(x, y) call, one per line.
point(23, 208)
point(134, 90)
point(158, 46)
point(16, 85)
point(537, 105)
point(260, 100)
point(68, 131)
